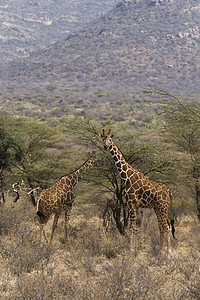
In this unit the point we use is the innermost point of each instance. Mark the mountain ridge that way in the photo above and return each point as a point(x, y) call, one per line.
point(137, 43)
point(29, 25)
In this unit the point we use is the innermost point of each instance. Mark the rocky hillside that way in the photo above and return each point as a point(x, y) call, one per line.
point(29, 25)
point(138, 43)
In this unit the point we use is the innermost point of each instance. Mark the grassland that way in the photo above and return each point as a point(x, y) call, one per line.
point(95, 263)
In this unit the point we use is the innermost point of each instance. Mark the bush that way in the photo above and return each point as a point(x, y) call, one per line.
point(95, 264)
point(8, 219)
point(24, 253)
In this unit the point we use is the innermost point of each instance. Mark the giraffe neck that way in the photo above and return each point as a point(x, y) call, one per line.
point(123, 167)
point(76, 174)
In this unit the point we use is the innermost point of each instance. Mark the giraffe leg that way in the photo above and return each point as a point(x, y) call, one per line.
point(164, 227)
point(44, 234)
point(160, 225)
point(55, 222)
point(161, 239)
point(168, 239)
point(132, 212)
point(42, 231)
point(67, 214)
point(169, 251)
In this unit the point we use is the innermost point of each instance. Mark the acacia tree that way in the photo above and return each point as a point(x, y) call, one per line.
point(39, 160)
point(142, 155)
point(105, 175)
point(35, 158)
point(7, 146)
point(182, 126)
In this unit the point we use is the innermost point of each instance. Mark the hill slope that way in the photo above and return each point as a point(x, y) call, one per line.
point(29, 25)
point(138, 43)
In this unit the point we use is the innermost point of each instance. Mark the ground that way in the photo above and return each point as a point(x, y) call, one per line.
point(95, 263)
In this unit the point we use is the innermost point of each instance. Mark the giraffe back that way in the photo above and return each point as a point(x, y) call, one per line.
point(55, 198)
point(148, 192)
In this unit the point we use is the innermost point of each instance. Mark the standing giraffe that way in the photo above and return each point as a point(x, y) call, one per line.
point(59, 197)
point(141, 192)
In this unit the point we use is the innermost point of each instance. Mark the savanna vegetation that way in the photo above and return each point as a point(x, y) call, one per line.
point(159, 134)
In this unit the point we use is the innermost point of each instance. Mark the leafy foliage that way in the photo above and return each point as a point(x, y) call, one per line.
point(183, 130)
point(30, 151)
point(142, 155)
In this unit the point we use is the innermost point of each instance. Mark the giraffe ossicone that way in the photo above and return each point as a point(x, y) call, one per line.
point(58, 198)
point(141, 192)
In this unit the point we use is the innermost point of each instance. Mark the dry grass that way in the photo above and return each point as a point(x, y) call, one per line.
point(95, 264)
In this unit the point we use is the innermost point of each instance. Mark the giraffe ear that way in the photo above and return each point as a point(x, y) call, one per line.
point(104, 133)
point(109, 133)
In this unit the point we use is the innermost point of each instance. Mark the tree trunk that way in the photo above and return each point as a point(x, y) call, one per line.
point(33, 199)
point(117, 210)
point(31, 194)
point(197, 198)
point(2, 196)
point(17, 196)
point(196, 176)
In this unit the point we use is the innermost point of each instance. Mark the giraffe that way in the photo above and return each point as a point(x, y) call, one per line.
point(58, 198)
point(141, 192)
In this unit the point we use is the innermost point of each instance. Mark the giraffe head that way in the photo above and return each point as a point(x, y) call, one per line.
point(107, 138)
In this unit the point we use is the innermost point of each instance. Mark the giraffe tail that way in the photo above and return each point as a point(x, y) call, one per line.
point(172, 215)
